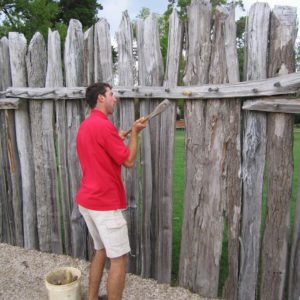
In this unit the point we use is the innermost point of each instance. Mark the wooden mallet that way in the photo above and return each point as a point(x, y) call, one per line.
point(158, 109)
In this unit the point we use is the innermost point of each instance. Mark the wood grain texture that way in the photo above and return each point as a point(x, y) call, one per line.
point(103, 64)
point(102, 52)
point(195, 224)
point(5, 77)
point(274, 255)
point(42, 132)
point(54, 79)
point(166, 153)
point(127, 117)
point(11, 188)
point(254, 151)
point(7, 225)
point(151, 73)
point(285, 84)
point(276, 105)
point(280, 172)
point(54, 76)
point(88, 56)
point(74, 77)
point(9, 103)
point(224, 68)
point(17, 51)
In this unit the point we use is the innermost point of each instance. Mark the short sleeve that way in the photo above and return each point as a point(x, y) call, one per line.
point(114, 145)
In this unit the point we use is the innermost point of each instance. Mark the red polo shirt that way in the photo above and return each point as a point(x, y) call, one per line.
point(101, 153)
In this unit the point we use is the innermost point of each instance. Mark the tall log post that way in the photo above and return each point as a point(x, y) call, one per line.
point(36, 75)
point(17, 51)
point(146, 197)
point(127, 117)
point(254, 151)
point(166, 153)
point(279, 161)
point(11, 194)
point(54, 78)
point(223, 119)
point(103, 64)
point(73, 59)
point(88, 65)
point(42, 128)
point(150, 73)
point(193, 265)
point(89, 56)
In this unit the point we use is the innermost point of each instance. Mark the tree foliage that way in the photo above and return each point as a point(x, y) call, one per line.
point(27, 17)
point(144, 13)
point(83, 10)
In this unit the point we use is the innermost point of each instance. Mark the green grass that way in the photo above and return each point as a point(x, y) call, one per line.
point(296, 174)
point(178, 198)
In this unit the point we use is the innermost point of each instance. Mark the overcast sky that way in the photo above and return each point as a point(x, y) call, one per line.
point(113, 9)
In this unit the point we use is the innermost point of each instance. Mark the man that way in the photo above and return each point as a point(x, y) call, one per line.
point(101, 195)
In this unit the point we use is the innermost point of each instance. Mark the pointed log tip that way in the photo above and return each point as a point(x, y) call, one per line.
point(75, 23)
point(37, 38)
point(16, 36)
point(125, 14)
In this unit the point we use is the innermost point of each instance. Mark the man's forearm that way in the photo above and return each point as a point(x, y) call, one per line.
point(133, 148)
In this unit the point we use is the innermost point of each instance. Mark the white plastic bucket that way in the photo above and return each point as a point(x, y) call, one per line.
point(64, 284)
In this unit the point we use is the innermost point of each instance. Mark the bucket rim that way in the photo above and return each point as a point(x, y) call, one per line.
point(77, 273)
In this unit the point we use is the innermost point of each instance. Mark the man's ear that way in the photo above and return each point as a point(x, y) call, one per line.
point(100, 98)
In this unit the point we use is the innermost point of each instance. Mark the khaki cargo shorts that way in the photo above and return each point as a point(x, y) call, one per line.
point(108, 230)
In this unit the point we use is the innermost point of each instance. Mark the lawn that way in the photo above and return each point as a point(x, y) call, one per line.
point(178, 196)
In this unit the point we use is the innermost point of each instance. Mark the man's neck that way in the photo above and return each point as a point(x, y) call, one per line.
point(101, 109)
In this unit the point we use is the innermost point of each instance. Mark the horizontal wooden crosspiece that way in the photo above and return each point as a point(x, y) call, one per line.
point(285, 84)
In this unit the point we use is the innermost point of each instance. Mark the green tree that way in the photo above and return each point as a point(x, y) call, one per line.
point(144, 13)
point(240, 37)
point(27, 17)
point(83, 10)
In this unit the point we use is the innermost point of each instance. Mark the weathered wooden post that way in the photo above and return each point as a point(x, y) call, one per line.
point(254, 151)
point(194, 269)
point(17, 51)
point(89, 56)
point(146, 197)
point(166, 154)
point(42, 132)
point(223, 134)
point(54, 78)
point(73, 60)
point(103, 64)
point(279, 161)
point(36, 75)
point(127, 116)
point(150, 73)
point(102, 52)
point(11, 194)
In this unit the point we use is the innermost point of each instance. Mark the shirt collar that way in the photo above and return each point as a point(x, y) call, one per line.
point(99, 113)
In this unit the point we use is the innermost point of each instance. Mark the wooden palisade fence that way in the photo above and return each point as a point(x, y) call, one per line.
point(230, 145)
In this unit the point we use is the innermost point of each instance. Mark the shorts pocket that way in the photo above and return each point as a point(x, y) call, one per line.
point(117, 233)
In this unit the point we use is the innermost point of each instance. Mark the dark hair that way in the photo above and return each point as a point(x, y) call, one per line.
point(92, 92)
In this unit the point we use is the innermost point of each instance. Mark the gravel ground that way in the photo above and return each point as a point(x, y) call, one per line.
point(22, 274)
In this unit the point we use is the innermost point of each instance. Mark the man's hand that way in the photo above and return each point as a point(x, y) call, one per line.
point(136, 128)
point(139, 125)
point(122, 134)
